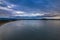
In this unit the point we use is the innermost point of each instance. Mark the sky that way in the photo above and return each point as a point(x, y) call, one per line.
point(31, 6)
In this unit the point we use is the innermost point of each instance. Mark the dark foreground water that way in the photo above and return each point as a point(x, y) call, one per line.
point(31, 30)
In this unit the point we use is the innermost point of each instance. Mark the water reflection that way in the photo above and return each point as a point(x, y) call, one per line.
point(32, 30)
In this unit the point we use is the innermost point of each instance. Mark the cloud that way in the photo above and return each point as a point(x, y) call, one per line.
point(20, 13)
point(11, 6)
point(37, 5)
point(29, 15)
point(11, 10)
point(31, 7)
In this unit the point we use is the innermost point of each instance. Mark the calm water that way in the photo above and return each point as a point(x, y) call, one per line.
point(32, 30)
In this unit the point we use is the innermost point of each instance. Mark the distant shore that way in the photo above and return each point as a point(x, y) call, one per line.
point(9, 19)
point(6, 20)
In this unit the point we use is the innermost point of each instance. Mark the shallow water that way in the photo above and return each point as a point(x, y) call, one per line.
point(33, 30)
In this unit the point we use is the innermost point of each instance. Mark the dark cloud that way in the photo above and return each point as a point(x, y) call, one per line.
point(37, 5)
